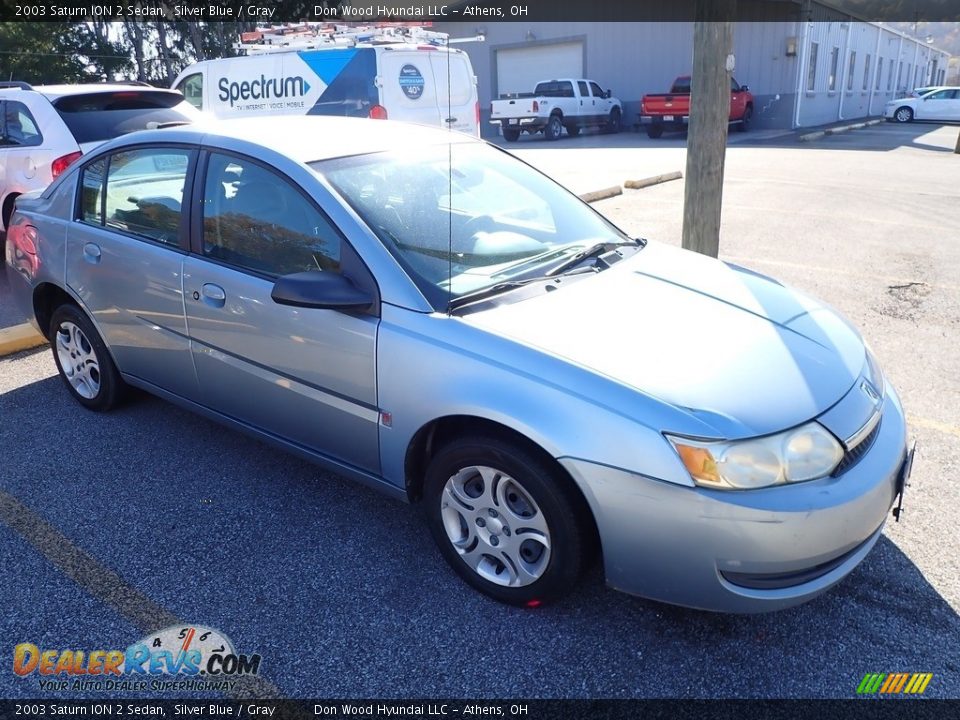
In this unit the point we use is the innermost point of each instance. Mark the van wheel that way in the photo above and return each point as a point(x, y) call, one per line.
point(85, 366)
point(572, 129)
point(511, 134)
point(613, 123)
point(554, 128)
point(654, 131)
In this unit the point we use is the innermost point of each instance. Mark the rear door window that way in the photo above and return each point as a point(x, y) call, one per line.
point(562, 88)
point(17, 126)
point(96, 117)
point(144, 192)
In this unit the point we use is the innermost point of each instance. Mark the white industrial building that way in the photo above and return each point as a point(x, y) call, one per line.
point(809, 64)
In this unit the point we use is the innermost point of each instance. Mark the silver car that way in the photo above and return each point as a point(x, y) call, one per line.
point(420, 311)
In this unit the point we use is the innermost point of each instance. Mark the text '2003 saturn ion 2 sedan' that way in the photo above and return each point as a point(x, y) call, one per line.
point(421, 311)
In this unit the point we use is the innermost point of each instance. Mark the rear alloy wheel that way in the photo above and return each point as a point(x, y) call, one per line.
point(511, 134)
point(554, 128)
point(903, 115)
point(83, 361)
point(505, 521)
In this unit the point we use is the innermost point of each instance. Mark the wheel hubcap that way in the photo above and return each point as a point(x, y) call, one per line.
point(495, 526)
point(903, 115)
point(79, 362)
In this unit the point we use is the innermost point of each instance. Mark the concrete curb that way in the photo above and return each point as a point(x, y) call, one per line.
point(602, 194)
point(655, 180)
point(19, 337)
point(839, 129)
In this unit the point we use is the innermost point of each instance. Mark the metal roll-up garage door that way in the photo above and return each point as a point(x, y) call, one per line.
point(520, 69)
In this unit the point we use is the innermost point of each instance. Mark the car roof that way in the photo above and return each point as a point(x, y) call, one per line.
point(57, 91)
point(307, 138)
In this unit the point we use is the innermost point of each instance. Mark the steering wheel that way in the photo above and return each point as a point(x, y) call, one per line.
point(478, 223)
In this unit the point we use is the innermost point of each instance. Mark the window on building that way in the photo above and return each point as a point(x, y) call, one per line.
point(866, 73)
point(812, 68)
point(890, 75)
point(834, 63)
point(879, 72)
point(851, 69)
point(899, 75)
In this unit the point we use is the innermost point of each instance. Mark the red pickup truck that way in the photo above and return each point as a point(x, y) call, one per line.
point(672, 111)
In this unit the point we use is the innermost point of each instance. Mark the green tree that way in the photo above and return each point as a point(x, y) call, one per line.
point(58, 53)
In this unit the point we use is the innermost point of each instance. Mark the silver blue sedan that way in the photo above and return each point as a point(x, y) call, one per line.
point(426, 314)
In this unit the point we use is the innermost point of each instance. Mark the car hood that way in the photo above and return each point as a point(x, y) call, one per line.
point(738, 350)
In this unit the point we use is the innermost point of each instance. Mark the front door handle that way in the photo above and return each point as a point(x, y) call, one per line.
point(213, 295)
point(91, 253)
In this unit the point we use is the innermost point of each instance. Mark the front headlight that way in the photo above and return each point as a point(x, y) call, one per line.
point(804, 453)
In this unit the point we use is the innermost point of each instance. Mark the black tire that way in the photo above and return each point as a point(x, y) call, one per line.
point(903, 114)
point(654, 130)
point(572, 129)
point(744, 124)
point(555, 504)
point(511, 134)
point(613, 122)
point(104, 387)
point(554, 128)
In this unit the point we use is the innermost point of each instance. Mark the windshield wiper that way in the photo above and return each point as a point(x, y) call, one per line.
point(595, 250)
point(501, 287)
point(483, 293)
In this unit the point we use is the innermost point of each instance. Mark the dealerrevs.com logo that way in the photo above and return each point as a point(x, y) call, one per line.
point(176, 658)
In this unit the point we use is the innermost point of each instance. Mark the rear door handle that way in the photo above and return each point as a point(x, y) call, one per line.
point(450, 120)
point(213, 295)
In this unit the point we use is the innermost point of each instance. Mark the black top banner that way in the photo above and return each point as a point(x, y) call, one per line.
point(264, 12)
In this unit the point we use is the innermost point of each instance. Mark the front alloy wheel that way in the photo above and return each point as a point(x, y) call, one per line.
point(495, 526)
point(507, 519)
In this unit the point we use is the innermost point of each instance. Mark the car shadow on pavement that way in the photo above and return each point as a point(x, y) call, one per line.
point(344, 594)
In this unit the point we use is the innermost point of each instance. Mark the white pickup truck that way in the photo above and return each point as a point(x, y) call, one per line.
point(570, 103)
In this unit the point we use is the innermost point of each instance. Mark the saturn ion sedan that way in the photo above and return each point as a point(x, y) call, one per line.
point(422, 312)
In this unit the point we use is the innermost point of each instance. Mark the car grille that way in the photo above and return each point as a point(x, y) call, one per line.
point(854, 454)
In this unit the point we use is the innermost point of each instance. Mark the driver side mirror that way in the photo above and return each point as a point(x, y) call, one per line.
point(608, 94)
point(320, 290)
point(744, 88)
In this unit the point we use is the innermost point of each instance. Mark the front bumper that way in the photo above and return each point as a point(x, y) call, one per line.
point(743, 551)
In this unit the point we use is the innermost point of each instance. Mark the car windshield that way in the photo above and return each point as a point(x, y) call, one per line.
point(491, 220)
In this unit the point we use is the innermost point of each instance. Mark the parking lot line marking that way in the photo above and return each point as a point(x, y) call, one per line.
point(835, 271)
point(107, 586)
point(934, 425)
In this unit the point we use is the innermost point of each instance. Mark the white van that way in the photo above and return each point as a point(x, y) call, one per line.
point(425, 83)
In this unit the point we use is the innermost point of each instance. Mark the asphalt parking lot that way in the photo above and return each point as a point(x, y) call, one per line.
point(115, 525)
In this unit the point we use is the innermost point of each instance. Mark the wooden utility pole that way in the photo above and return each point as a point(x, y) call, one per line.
point(709, 118)
point(957, 151)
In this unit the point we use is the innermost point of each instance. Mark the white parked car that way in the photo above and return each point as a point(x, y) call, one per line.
point(941, 103)
point(44, 129)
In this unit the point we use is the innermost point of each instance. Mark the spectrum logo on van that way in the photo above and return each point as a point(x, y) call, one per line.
point(263, 88)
